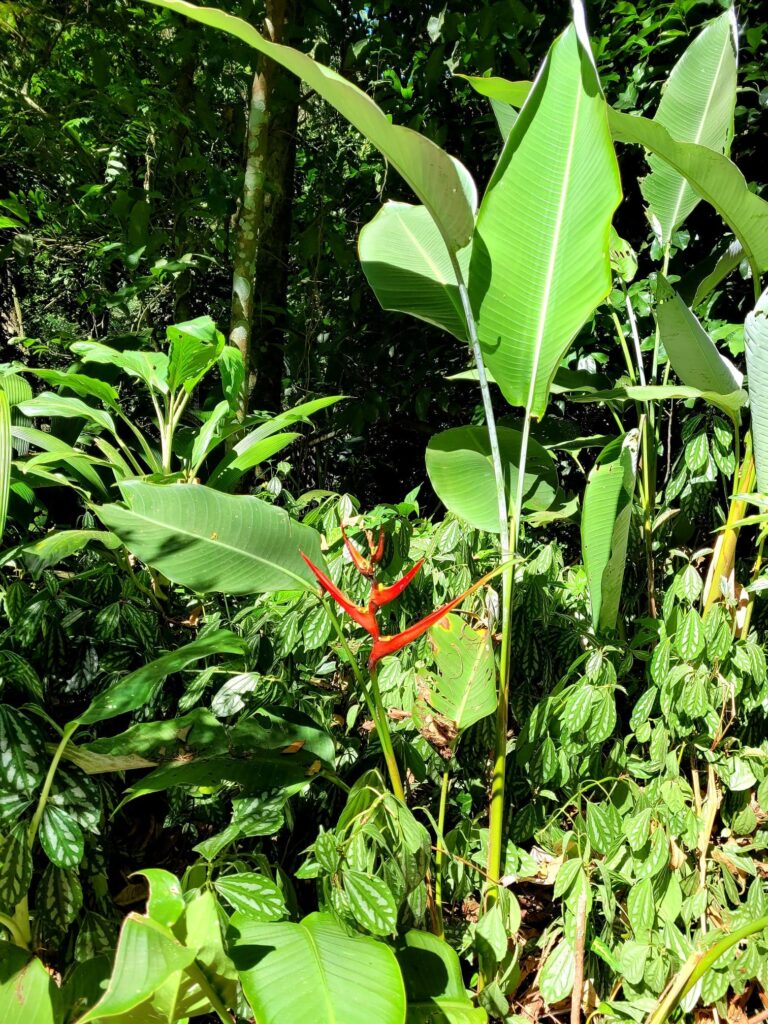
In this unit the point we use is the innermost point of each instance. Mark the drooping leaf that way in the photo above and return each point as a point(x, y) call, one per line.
point(711, 175)
point(209, 541)
point(697, 105)
point(81, 384)
point(730, 404)
point(406, 262)
point(756, 337)
point(60, 544)
point(460, 470)
point(166, 901)
point(464, 690)
point(150, 367)
point(691, 351)
point(138, 687)
point(429, 171)
point(540, 257)
point(605, 522)
point(48, 404)
point(335, 977)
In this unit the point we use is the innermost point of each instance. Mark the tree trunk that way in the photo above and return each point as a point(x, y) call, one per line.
point(261, 205)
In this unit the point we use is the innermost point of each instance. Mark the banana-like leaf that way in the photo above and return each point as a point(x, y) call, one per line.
point(540, 257)
point(6, 454)
point(81, 384)
point(407, 264)
point(60, 544)
point(691, 351)
point(702, 279)
point(756, 336)
point(434, 982)
point(430, 172)
point(464, 689)
point(730, 404)
point(605, 521)
point(335, 977)
point(460, 470)
point(214, 542)
point(28, 993)
point(697, 105)
point(48, 404)
point(712, 175)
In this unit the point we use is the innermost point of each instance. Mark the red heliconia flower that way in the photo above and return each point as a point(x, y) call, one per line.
point(377, 553)
point(381, 595)
point(366, 617)
point(363, 565)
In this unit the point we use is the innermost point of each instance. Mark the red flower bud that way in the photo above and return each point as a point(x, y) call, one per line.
point(381, 595)
point(365, 617)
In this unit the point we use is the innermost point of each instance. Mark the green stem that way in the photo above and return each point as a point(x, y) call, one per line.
point(69, 731)
point(657, 338)
point(496, 809)
point(376, 709)
point(696, 966)
point(199, 978)
point(11, 926)
point(385, 739)
point(439, 853)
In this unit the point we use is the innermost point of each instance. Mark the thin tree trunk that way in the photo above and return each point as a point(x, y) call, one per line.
point(251, 218)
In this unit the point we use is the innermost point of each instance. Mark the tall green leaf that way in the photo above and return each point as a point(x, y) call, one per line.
point(605, 522)
point(49, 404)
point(214, 542)
point(6, 454)
point(334, 977)
point(28, 993)
point(460, 470)
point(429, 171)
point(756, 336)
point(434, 982)
point(540, 258)
point(697, 105)
point(691, 351)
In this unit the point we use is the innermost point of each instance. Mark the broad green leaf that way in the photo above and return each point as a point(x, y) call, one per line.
point(605, 522)
point(540, 257)
point(147, 955)
point(460, 470)
point(464, 690)
point(165, 904)
point(692, 353)
point(406, 262)
point(434, 983)
point(28, 993)
point(334, 977)
point(697, 105)
point(429, 171)
point(195, 347)
point(150, 367)
point(206, 439)
point(59, 897)
point(253, 895)
point(60, 544)
point(371, 902)
point(556, 976)
point(727, 261)
point(214, 542)
point(81, 384)
point(6, 455)
point(756, 336)
point(15, 867)
point(711, 175)
point(48, 404)
point(135, 689)
point(61, 837)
